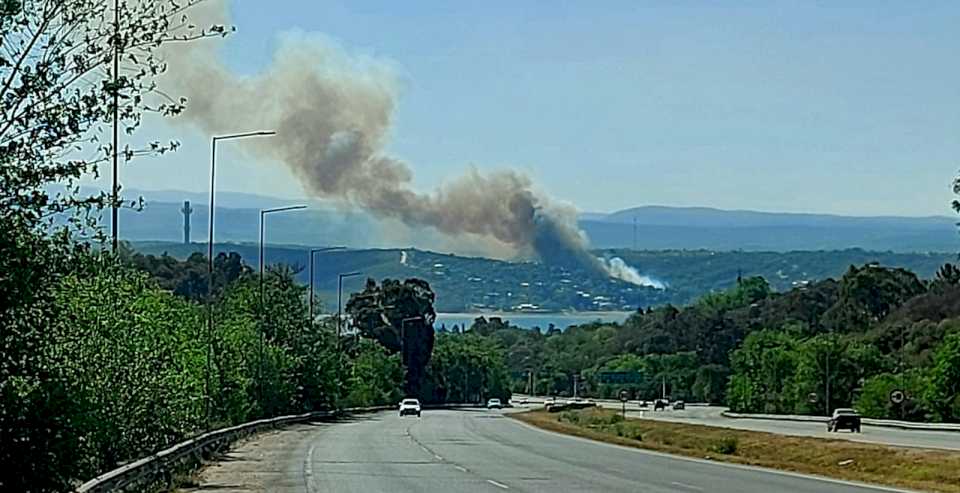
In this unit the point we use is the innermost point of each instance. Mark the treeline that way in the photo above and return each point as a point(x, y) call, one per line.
point(873, 331)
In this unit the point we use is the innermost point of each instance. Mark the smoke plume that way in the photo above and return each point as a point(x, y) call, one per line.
point(619, 269)
point(332, 113)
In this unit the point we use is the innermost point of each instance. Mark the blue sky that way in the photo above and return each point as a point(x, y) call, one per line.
point(844, 107)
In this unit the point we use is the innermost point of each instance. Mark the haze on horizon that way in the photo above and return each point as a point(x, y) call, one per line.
point(774, 106)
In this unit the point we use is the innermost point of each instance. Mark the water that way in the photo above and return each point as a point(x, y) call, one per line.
point(531, 320)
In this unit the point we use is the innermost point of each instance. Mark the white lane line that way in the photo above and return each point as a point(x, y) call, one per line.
point(461, 468)
point(435, 456)
point(498, 485)
point(686, 486)
point(308, 469)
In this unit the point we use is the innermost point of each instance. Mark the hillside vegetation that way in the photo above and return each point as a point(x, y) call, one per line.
point(468, 284)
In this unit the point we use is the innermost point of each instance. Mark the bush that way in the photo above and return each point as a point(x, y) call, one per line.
point(726, 446)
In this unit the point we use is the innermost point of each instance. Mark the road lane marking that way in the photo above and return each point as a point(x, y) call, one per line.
point(308, 469)
point(498, 485)
point(461, 468)
point(686, 486)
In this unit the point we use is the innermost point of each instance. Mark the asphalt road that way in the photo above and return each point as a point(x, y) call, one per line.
point(452, 451)
point(711, 416)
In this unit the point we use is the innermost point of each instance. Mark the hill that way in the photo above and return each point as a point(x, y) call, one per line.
point(474, 284)
point(657, 228)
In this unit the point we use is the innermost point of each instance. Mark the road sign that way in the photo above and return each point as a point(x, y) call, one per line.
point(624, 395)
point(897, 397)
point(812, 397)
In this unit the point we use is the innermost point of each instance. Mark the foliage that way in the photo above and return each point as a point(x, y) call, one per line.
point(374, 376)
point(398, 315)
point(467, 367)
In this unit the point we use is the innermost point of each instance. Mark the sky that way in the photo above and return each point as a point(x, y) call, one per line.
point(801, 106)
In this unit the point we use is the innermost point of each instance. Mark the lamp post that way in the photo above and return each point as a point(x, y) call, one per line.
point(213, 175)
point(314, 251)
point(263, 318)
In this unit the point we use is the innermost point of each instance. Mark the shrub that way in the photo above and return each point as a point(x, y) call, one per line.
point(726, 446)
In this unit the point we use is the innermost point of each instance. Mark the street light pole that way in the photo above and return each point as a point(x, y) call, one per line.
point(314, 251)
point(213, 170)
point(263, 318)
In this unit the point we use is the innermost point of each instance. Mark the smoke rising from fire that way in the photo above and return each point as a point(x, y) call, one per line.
point(332, 113)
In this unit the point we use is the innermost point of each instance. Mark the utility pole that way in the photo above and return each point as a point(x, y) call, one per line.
point(576, 378)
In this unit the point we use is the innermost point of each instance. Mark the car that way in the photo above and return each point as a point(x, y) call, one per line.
point(494, 404)
point(844, 419)
point(660, 404)
point(679, 406)
point(410, 407)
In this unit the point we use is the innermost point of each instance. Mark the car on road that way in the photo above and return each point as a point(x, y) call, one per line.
point(844, 419)
point(660, 404)
point(410, 407)
point(679, 406)
point(494, 404)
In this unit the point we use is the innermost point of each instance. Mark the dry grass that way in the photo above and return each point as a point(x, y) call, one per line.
point(919, 469)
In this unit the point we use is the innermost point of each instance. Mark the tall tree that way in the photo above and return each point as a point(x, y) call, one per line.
point(400, 316)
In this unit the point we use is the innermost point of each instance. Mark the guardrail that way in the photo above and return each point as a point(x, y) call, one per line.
point(160, 467)
point(886, 423)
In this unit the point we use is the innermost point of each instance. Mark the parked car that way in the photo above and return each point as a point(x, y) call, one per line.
point(844, 419)
point(679, 406)
point(410, 406)
point(494, 404)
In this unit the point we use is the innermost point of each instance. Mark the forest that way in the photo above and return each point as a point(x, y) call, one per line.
point(829, 344)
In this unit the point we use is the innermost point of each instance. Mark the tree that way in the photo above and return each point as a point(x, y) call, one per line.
point(944, 393)
point(400, 317)
point(869, 293)
point(762, 372)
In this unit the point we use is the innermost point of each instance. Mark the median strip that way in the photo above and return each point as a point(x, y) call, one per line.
point(919, 469)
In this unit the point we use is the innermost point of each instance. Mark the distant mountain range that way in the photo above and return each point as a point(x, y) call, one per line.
point(657, 227)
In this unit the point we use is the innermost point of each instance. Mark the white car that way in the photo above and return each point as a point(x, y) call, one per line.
point(494, 404)
point(410, 406)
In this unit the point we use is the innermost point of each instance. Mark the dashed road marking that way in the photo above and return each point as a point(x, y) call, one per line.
point(308, 469)
point(687, 486)
point(498, 485)
point(461, 468)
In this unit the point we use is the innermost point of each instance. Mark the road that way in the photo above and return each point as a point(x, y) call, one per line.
point(711, 416)
point(474, 450)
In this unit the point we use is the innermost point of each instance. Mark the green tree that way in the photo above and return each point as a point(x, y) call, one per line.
point(944, 393)
point(400, 316)
point(762, 372)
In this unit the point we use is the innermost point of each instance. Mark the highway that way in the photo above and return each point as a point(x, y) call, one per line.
point(711, 416)
point(474, 450)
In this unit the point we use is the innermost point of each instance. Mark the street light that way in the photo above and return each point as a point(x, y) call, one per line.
point(340, 279)
point(213, 175)
point(314, 251)
point(263, 215)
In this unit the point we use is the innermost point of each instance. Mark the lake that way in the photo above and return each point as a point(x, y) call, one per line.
point(531, 320)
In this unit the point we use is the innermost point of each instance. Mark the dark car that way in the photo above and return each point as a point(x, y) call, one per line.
point(844, 419)
point(679, 406)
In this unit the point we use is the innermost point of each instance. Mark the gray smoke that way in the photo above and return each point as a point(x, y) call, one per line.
point(332, 113)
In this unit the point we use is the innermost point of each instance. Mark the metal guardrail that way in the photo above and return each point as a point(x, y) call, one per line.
point(886, 423)
point(159, 468)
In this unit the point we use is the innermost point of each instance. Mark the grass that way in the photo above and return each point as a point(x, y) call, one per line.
point(919, 469)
